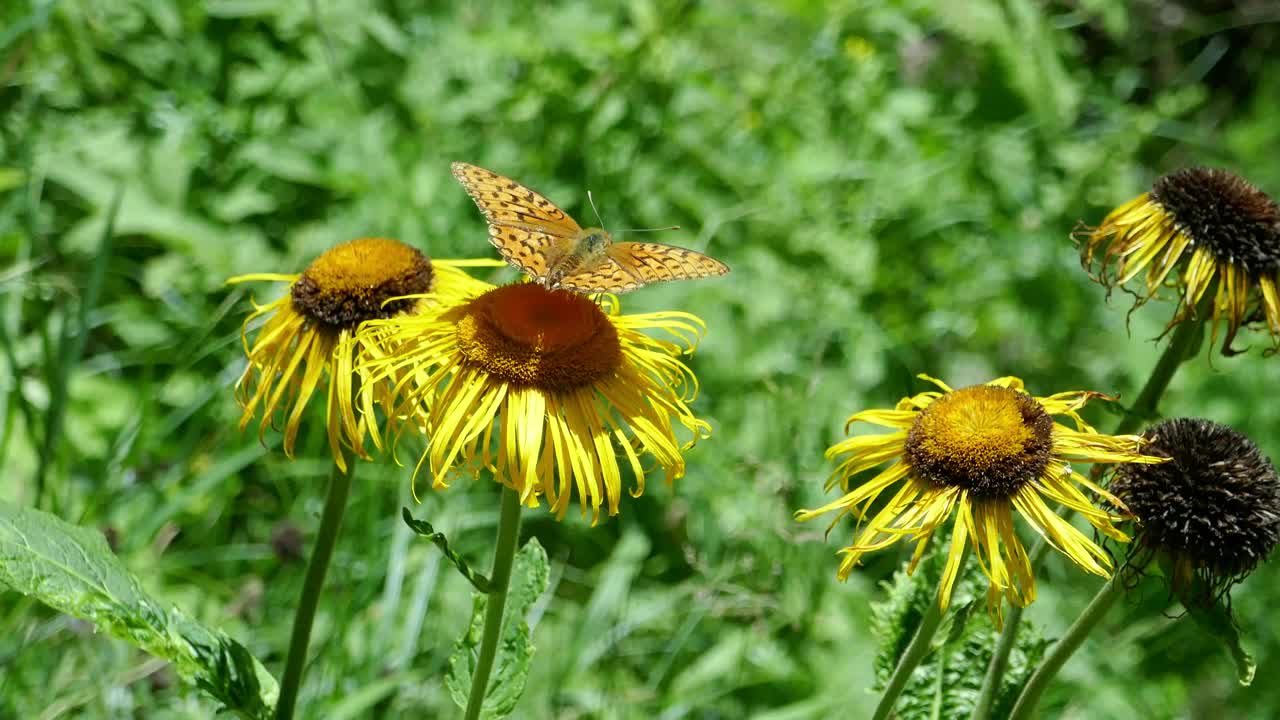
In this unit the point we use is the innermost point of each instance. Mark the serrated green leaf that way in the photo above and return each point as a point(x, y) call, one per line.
point(947, 682)
point(529, 577)
point(462, 663)
point(72, 570)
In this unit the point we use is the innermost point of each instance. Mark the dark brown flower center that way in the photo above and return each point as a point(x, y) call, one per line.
point(986, 439)
point(352, 282)
point(1216, 502)
point(1222, 211)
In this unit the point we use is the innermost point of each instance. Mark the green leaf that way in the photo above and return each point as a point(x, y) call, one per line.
point(1211, 611)
point(72, 570)
point(529, 577)
point(425, 529)
point(947, 682)
point(1217, 621)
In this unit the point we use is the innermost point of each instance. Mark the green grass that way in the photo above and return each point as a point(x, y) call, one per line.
point(892, 184)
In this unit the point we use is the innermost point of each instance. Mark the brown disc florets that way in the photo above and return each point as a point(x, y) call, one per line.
point(352, 282)
point(1222, 211)
point(532, 337)
point(1213, 509)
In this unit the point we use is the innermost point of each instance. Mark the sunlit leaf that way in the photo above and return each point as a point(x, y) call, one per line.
point(529, 576)
point(72, 570)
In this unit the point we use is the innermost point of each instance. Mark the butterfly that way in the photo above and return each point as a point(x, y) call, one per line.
point(542, 240)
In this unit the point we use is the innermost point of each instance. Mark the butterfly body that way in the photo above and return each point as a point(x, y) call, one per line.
point(543, 241)
point(589, 250)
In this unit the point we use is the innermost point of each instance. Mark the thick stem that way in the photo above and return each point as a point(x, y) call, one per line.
point(911, 657)
point(1079, 630)
point(916, 651)
point(335, 504)
point(1175, 353)
point(504, 553)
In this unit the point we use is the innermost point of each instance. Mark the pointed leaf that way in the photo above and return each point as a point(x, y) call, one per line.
point(425, 529)
point(529, 578)
point(72, 570)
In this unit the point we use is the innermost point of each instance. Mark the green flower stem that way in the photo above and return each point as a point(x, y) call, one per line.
point(335, 504)
point(916, 651)
point(504, 553)
point(1064, 648)
point(999, 661)
point(1179, 349)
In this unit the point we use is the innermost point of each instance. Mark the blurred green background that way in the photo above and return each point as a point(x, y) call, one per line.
point(893, 185)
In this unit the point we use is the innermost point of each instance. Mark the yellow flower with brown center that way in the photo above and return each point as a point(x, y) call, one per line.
point(548, 389)
point(978, 454)
point(1228, 232)
point(295, 348)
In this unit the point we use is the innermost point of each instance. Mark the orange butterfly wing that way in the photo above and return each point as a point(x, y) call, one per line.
point(528, 229)
point(603, 275)
point(629, 265)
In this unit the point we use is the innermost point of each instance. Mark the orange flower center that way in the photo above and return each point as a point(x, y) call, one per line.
point(986, 439)
point(529, 336)
point(352, 282)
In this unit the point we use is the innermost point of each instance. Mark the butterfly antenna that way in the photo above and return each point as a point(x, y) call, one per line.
point(592, 200)
point(631, 230)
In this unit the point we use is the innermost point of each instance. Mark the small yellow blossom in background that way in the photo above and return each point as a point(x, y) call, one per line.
point(978, 454)
point(550, 390)
point(858, 48)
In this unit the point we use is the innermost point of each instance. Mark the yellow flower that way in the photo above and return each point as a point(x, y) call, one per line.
point(1227, 228)
point(547, 389)
point(295, 348)
point(979, 453)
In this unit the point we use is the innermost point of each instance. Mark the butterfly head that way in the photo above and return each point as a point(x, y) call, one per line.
point(593, 240)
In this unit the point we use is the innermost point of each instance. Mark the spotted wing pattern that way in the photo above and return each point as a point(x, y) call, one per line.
point(603, 275)
point(528, 229)
point(629, 265)
point(534, 253)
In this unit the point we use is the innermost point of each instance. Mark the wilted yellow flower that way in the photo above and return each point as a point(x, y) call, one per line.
point(1229, 233)
point(1209, 515)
